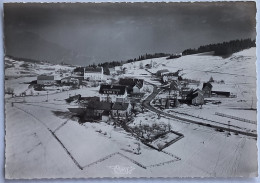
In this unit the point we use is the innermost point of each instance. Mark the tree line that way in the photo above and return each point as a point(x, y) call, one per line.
point(148, 56)
point(224, 48)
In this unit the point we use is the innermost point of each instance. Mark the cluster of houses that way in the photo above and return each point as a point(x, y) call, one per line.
point(180, 94)
point(187, 95)
point(77, 76)
point(196, 97)
point(113, 101)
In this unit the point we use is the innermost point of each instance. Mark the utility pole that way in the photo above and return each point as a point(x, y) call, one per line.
point(229, 128)
point(252, 103)
point(47, 96)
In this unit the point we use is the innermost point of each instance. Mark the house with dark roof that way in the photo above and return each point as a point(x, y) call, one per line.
point(207, 88)
point(162, 72)
point(221, 93)
point(121, 110)
point(93, 110)
point(93, 73)
point(133, 85)
point(113, 93)
point(96, 109)
point(45, 80)
point(195, 97)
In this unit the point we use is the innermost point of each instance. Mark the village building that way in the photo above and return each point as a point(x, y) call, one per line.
point(162, 72)
point(118, 68)
point(167, 102)
point(220, 93)
point(97, 108)
point(121, 110)
point(70, 80)
point(207, 88)
point(105, 116)
point(173, 76)
point(133, 85)
point(113, 93)
point(112, 71)
point(45, 80)
point(195, 97)
point(175, 85)
point(84, 101)
point(184, 92)
point(74, 81)
point(65, 80)
point(93, 74)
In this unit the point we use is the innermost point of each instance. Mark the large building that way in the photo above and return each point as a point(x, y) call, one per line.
point(45, 80)
point(132, 85)
point(93, 74)
point(113, 93)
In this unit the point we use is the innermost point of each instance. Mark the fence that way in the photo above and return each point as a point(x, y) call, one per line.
point(236, 118)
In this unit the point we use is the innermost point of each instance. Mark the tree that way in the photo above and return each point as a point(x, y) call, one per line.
point(169, 127)
point(141, 66)
point(138, 149)
point(31, 92)
point(106, 71)
point(211, 79)
point(9, 90)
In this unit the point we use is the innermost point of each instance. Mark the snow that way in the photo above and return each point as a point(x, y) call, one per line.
point(40, 144)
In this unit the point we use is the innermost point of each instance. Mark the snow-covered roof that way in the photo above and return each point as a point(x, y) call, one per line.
point(93, 69)
point(112, 89)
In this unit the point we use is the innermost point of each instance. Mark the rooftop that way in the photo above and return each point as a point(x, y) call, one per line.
point(208, 84)
point(112, 89)
point(131, 82)
point(93, 69)
point(120, 106)
point(45, 77)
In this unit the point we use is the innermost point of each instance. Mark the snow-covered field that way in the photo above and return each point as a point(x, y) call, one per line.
point(42, 141)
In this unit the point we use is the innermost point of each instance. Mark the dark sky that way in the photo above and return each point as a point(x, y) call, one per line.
point(84, 33)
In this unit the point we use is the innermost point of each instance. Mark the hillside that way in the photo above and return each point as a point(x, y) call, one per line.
point(238, 71)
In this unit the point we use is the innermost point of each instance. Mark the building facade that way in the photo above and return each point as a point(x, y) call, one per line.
point(93, 74)
point(113, 93)
point(45, 80)
point(121, 110)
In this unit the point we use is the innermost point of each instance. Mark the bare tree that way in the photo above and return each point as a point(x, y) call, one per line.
point(9, 90)
point(138, 148)
point(169, 127)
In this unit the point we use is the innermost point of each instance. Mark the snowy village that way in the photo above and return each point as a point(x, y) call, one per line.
point(144, 112)
point(126, 92)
